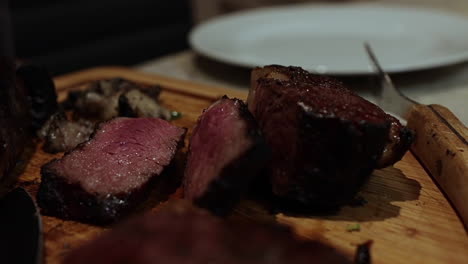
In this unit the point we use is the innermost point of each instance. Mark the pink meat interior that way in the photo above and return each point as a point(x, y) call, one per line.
point(123, 155)
point(219, 138)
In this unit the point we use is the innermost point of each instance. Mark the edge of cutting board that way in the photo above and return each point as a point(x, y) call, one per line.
point(65, 81)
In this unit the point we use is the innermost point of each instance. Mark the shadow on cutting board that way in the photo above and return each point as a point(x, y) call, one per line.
point(384, 188)
point(375, 202)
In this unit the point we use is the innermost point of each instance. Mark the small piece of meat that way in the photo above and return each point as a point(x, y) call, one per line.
point(41, 93)
point(135, 103)
point(180, 233)
point(226, 152)
point(326, 140)
point(60, 134)
point(102, 100)
point(106, 177)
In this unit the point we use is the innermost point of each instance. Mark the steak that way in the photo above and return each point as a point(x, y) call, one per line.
point(325, 139)
point(106, 177)
point(180, 233)
point(226, 152)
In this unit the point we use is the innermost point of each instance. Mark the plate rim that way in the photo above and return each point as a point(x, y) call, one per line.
point(451, 59)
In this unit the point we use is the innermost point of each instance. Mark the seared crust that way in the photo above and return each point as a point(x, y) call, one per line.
point(69, 201)
point(336, 159)
point(334, 137)
point(399, 137)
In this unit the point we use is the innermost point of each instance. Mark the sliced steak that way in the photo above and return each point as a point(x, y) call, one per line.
point(106, 177)
point(325, 139)
point(182, 234)
point(226, 151)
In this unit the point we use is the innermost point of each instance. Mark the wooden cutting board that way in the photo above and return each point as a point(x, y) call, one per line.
point(406, 216)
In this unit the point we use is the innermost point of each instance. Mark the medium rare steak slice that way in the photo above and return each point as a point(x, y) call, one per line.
point(106, 177)
point(226, 152)
point(325, 139)
point(180, 233)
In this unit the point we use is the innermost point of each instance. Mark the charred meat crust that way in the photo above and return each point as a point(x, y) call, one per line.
point(335, 138)
point(338, 158)
point(225, 191)
point(399, 138)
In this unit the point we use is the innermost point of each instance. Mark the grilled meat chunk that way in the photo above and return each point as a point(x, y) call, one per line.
point(182, 234)
point(226, 151)
point(104, 178)
point(135, 103)
point(61, 134)
point(335, 138)
point(107, 99)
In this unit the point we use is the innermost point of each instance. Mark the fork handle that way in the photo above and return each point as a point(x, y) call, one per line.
point(441, 145)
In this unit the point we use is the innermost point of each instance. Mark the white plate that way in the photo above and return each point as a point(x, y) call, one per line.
point(329, 38)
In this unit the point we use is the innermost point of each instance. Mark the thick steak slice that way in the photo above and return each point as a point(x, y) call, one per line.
point(325, 139)
point(107, 176)
point(226, 152)
point(182, 234)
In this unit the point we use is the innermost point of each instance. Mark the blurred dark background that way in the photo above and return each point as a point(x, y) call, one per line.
point(68, 35)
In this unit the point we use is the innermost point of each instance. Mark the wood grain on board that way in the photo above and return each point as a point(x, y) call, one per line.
point(406, 216)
